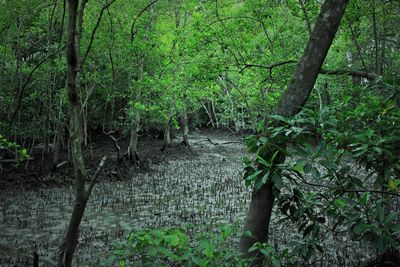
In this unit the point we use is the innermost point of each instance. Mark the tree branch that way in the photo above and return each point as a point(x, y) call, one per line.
point(138, 16)
point(354, 73)
point(27, 80)
point(107, 5)
point(96, 175)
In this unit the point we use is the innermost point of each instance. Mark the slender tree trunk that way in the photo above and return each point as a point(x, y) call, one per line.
point(291, 102)
point(79, 35)
point(133, 154)
point(215, 114)
point(70, 240)
point(185, 129)
point(167, 128)
point(375, 32)
point(211, 120)
point(56, 145)
point(167, 135)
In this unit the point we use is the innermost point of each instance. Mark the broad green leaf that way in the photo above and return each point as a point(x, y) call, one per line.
point(298, 167)
point(392, 184)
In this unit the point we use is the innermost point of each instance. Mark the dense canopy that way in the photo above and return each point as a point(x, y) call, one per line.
point(108, 91)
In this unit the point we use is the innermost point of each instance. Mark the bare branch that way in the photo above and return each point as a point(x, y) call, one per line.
point(96, 175)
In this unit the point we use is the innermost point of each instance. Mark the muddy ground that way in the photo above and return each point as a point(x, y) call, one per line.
point(201, 186)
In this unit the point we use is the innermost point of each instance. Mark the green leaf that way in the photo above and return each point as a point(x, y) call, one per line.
point(298, 167)
point(254, 175)
point(277, 180)
point(307, 168)
point(308, 230)
point(315, 174)
point(275, 262)
point(262, 161)
point(379, 213)
point(209, 250)
point(339, 203)
point(392, 184)
point(328, 164)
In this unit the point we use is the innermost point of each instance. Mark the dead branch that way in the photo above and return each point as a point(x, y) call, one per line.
point(96, 175)
point(115, 141)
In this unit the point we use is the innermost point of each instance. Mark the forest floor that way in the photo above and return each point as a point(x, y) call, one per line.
point(200, 186)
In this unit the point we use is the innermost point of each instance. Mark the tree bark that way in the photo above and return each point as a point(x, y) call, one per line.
point(167, 135)
point(290, 103)
point(185, 129)
point(133, 154)
point(67, 247)
point(211, 120)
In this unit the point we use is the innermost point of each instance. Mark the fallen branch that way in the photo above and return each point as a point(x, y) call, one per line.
point(61, 164)
point(222, 143)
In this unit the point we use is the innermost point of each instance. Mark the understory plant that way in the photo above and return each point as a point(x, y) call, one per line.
point(12, 149)
point(333, 182)
point(177, 247)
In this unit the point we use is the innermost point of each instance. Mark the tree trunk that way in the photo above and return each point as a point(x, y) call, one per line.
point(57, 146)
point(290, 103)
point(185, 129)
point(209, 115)
point(133, 154)
point(167, 135)
point(214, 113)
point(68, 245)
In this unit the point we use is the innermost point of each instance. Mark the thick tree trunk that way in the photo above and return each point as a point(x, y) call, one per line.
point(291, 102)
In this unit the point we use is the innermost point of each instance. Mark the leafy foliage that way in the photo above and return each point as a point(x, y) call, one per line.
point(174, 247)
